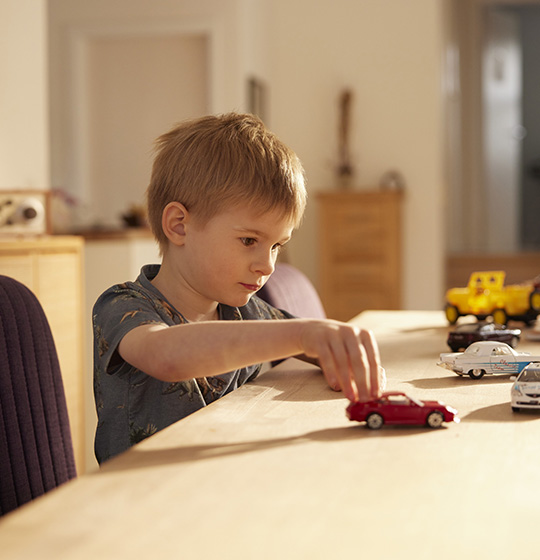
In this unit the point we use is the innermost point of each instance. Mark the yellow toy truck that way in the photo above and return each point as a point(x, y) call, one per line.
point(486, 295)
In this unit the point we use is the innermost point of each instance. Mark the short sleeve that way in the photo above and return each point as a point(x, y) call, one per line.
point(119, 310)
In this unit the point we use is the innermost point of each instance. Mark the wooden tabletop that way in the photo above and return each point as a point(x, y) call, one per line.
point(275, 470)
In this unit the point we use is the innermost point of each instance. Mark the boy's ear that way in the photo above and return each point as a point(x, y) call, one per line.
point(174, 221)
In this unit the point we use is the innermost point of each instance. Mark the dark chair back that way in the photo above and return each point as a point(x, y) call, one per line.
point(290, 289)
point(36, 452)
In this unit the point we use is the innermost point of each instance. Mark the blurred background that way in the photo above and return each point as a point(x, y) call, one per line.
point(442, 92)
point(442, 96)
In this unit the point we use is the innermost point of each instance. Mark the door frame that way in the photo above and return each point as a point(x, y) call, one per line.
point(79, 41)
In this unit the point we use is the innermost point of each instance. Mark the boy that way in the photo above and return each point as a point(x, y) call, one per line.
point(224, 196)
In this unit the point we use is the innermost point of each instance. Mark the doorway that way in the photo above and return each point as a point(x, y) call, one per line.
point(495, 163)
point(530, 154)
point(133, 87)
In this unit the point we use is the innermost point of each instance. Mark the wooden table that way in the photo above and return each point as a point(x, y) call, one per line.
point(275, 470)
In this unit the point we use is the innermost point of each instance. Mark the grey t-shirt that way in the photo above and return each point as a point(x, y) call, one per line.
point(132, 405)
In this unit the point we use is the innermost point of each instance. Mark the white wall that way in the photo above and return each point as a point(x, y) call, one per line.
point(389, 52)
point(79, 32)
point(24, 132)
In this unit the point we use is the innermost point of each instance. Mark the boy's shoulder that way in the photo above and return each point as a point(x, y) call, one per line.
point(141, 287)
point(139, 297)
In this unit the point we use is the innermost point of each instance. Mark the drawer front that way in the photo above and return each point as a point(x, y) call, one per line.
point(347, 215)
point(345, 306)
point(355, 276)
point(349, 247)
point(357, 232)
point(360, 252)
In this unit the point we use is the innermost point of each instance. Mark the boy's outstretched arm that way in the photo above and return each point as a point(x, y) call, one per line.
point(348, 355)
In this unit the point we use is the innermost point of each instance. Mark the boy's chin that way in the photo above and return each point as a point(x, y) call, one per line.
point(238, 301)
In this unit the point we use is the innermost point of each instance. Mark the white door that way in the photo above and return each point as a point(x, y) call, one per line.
point(137, 87)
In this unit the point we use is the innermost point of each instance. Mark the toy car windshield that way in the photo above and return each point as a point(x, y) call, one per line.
point(400, 399)
point(530, 374)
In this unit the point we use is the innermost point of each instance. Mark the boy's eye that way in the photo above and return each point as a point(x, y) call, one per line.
point(248, 241)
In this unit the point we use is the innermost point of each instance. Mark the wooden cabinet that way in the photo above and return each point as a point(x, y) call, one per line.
point(360, 251)
point(51, 266)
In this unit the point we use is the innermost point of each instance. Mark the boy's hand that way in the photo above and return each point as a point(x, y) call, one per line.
point(348, 356)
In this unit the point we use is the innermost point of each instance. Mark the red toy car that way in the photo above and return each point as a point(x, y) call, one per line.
point(399, 408)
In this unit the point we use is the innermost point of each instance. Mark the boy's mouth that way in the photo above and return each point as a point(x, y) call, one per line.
point(250, 287)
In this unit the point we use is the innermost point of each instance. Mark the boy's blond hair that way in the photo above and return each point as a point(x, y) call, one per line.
point(215, 162)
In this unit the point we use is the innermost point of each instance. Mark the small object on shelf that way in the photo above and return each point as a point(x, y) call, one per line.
point(135, 216)
point(482, 358)
point(345, 169)
point(24, 212)
point(392, 180)
point(467, 333)
point(486, 295)
point(398, 408)
point(525, 392)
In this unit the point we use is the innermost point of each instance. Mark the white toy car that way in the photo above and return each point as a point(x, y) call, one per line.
point(486, 357)
point(525, 392)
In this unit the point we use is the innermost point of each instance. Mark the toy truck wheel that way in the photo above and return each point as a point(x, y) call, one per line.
point(452, 313)
point(374, 421)
point(435, 420)
point(535, 301)
point(476, 373)
point(500, 316)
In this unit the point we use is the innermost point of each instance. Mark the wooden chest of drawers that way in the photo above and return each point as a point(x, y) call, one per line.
point(360, 251)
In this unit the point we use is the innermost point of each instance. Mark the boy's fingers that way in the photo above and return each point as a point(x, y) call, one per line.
point(372, 352)
point(350, 362)
point(327, 365)
point(364, 364)
point(342, 357)
point(358, 370)
point(334, 362)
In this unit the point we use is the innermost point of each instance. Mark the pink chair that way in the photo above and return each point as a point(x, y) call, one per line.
point(291, 290)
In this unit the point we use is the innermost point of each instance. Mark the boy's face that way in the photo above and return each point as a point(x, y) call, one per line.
point(232, 255)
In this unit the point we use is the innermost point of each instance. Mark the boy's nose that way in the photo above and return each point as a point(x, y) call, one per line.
point(265, 265)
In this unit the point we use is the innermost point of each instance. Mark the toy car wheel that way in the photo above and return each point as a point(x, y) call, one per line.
point(435, 419)
point(535, 301)
point(500, 316)
point(374, 421)
point(452, 314)
point(476, 373)
point(515, 409)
